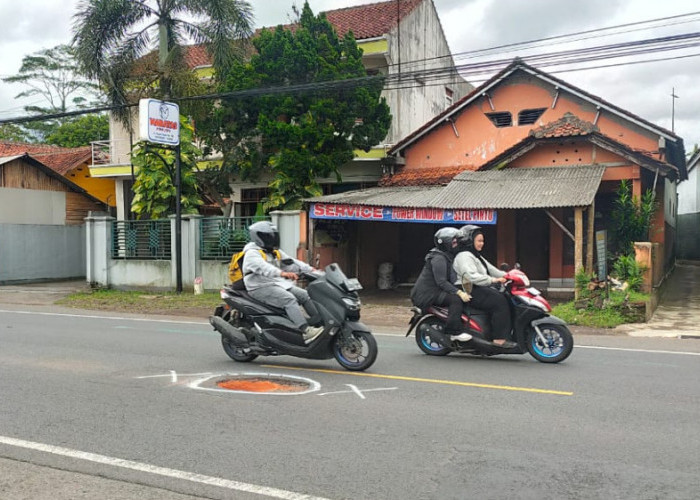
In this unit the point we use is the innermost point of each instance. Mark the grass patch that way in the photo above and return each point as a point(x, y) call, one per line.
point(615, 312)
point(142, 302)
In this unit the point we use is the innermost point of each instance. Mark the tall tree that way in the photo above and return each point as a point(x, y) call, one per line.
point(296, 136)
point(80, 131)
point(113, 38)
point(52, 74)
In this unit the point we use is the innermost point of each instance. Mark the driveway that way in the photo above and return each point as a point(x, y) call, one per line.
point(678, 314)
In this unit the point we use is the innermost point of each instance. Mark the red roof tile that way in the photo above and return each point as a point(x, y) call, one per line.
point(370, 20)
point(60, 160)
point(365, 21)
point(566, 126)
point(423, 176)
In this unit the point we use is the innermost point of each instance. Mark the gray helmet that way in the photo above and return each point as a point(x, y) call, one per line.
point(443, 239)
point(465, 238)
point(265, 235)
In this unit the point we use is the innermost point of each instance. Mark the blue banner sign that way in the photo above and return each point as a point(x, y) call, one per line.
point(396, 214)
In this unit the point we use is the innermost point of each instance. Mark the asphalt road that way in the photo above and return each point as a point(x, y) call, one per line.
point(98, 406)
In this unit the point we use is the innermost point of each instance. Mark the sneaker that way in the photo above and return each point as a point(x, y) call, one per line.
point(462, 337)
point(311, 333)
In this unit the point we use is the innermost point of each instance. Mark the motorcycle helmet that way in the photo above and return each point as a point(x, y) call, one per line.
point(444, 237)
point(265, 235)
point(465, 238)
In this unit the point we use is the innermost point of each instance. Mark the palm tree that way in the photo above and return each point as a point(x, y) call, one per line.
point(113, 40)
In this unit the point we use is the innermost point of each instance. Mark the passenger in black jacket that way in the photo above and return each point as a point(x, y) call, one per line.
point(436, 284)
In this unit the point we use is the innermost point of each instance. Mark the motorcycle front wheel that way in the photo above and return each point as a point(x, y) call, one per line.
point(356, 351)
point(558, 343)
point(430, 344)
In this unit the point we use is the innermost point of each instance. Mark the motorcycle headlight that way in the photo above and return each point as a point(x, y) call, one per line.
point(532, 302)
point(352, 304)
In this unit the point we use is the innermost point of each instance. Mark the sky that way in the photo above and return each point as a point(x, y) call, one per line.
point(644, 88)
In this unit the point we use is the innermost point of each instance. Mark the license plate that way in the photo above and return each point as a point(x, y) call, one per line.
point(533, 291)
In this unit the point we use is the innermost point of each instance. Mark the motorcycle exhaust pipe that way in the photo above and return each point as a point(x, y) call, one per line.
point(234, 336)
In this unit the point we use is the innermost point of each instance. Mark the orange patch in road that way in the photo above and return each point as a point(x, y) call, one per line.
point(260, 385)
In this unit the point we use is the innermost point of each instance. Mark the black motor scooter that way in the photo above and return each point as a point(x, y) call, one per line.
point(250, 329)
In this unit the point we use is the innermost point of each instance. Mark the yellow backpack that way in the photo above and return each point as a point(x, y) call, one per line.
point(235, 268)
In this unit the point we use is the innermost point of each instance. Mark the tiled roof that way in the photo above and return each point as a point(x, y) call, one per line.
point(370, 20)
point(520, 188)
point(365, 21)
point(567, 126)
point(422, 176)
point(196, 56)
point(60, 160)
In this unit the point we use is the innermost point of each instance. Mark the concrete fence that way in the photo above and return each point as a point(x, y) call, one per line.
point(41, 252)
point(104, 269)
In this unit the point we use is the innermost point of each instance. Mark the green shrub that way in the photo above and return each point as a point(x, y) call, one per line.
point(626, 268)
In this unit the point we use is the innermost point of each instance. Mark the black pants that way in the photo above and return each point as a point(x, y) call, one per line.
point(454, 312)
point(491, 300)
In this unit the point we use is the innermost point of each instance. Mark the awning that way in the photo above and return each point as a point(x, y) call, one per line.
point(471, 197)
point(520, 188)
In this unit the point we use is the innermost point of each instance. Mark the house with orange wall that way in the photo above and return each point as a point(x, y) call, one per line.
point(534, 159)
point(71, 163)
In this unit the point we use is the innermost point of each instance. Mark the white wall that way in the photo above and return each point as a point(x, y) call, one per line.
point(422, 44)
point(32, 206)
point(689, 193)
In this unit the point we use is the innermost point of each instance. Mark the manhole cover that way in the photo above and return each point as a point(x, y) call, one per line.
point(257, 383)
point(263, 384)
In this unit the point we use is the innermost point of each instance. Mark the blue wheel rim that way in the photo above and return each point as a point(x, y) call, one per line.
point(430, 344)
point(554, 347)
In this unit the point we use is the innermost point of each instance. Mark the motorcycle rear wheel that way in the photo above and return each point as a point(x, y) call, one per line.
point(558, 346)
point(427, 344)
point(355, 352)
point(236, 353)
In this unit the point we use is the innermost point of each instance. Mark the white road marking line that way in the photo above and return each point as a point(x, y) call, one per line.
point(652, 351)
point(160, 471)
point(359, 392)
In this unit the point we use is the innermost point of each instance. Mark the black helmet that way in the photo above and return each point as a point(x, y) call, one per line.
point(443, 239)
point(465, 238)
point(265, 235)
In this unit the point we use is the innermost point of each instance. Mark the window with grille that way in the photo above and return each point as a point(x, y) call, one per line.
point(530, 116)
point(501, 119)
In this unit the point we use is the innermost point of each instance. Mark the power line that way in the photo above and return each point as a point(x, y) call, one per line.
point(399, 80)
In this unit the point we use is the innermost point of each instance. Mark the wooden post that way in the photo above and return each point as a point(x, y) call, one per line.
point(590, 242)
point(578, 241)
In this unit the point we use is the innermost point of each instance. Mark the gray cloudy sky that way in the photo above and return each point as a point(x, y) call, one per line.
point(643, 89)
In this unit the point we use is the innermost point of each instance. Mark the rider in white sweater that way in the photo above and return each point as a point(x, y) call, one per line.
point(471, 267)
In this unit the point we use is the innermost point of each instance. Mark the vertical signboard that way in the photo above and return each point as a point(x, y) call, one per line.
point(601, 238)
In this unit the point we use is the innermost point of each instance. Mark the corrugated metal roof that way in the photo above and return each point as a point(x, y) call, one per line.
point(519, 188)
point(512, 188)
point(396, 196)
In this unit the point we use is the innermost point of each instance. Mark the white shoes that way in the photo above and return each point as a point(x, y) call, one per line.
point(312, 332)
point(462, 337)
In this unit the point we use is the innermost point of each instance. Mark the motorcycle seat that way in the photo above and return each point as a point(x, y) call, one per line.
point(245, 295)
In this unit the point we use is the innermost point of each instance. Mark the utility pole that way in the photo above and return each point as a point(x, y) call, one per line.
point(673, 109)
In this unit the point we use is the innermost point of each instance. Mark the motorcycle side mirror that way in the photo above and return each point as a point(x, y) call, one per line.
point(504, 266)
